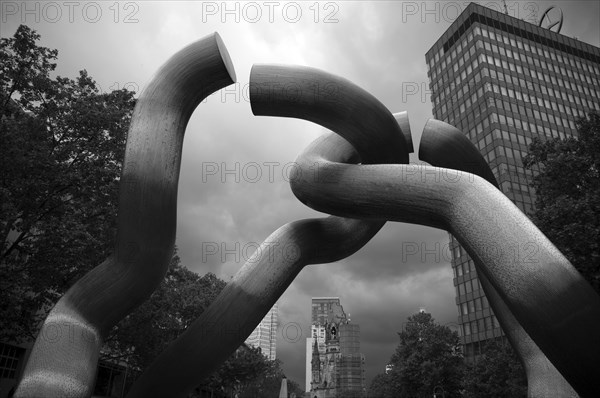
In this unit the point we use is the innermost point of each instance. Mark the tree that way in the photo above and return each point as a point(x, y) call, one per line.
point(381, 386)
point(428, 357)
point(498, 373)
point(568, 195)
point(294, 388)
point(61, 147)
point(239, 372)
point(268, 383)
point(180, 298)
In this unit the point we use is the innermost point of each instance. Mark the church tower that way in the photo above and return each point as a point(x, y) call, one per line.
point(316, 366)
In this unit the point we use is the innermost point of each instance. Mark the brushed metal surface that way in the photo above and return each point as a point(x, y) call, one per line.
point(443, 145)
point(546, 295)
point(403, 122)
point(332, 102)
point(65, 354)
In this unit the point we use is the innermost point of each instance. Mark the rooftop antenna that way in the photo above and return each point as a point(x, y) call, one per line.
point(505, 7)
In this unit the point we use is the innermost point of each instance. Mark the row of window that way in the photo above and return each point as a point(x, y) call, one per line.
point(468, 287)
point(521, 94)
point(515, 142)
point(476, 106)
point(528, 47)
point(472, 306)
point(518, 139)
point(543, 88)
point(538, 63)
point(532, 85)
point(512, 172)
point(529, 113)
point(465, 267)
point(480, 325)
point(518, 69)
point(515, 187)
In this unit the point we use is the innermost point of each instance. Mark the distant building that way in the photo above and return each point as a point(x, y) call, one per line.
point(504, 81)
point(265, 334)
point(337, 368)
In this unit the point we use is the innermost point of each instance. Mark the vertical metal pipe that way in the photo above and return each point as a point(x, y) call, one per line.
point(63, 360)
point(443, 145)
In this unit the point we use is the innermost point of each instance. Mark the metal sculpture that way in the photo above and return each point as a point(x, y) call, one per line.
point(445, 146)
point(65, 366)
point(546, 301)
point(247, 298)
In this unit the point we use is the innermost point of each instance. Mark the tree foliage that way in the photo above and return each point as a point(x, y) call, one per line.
point(180, 298)
point(428, 357)
point(568, 195)
point(381, 386)
point(498, 373)
point(61, 147)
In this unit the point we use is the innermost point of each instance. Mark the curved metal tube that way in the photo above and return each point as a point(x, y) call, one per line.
point(547, 296)
point(402, 119)
point(64, 358)
point(332, 102)
point(443, 145)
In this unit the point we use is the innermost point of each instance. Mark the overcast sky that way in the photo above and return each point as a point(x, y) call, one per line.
point(378, 45)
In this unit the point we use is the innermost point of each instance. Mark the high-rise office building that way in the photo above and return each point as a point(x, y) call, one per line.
point(265, 334)
point(334, 364)
point(504, 81)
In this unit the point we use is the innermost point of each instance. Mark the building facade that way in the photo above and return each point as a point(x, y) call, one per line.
point(334, 365)
point(264, 335)
point(504, 81)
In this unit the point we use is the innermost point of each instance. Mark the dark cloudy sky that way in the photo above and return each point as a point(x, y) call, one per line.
point(378, 45)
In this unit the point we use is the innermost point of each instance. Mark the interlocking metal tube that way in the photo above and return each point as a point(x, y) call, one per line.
point(443, 145)
point(64, 358)
point(330, 101)
point(547, 296)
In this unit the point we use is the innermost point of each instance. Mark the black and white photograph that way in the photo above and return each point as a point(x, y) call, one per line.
point(299, 199)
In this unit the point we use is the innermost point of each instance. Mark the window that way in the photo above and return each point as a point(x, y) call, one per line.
point(488, 323)
point(481, 325)
point(9, 360)
point(468, 287)
point(474, 327)
point(478, 304)
point(484, 302)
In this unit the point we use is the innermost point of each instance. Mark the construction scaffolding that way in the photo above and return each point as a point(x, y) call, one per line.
point(350, 375)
